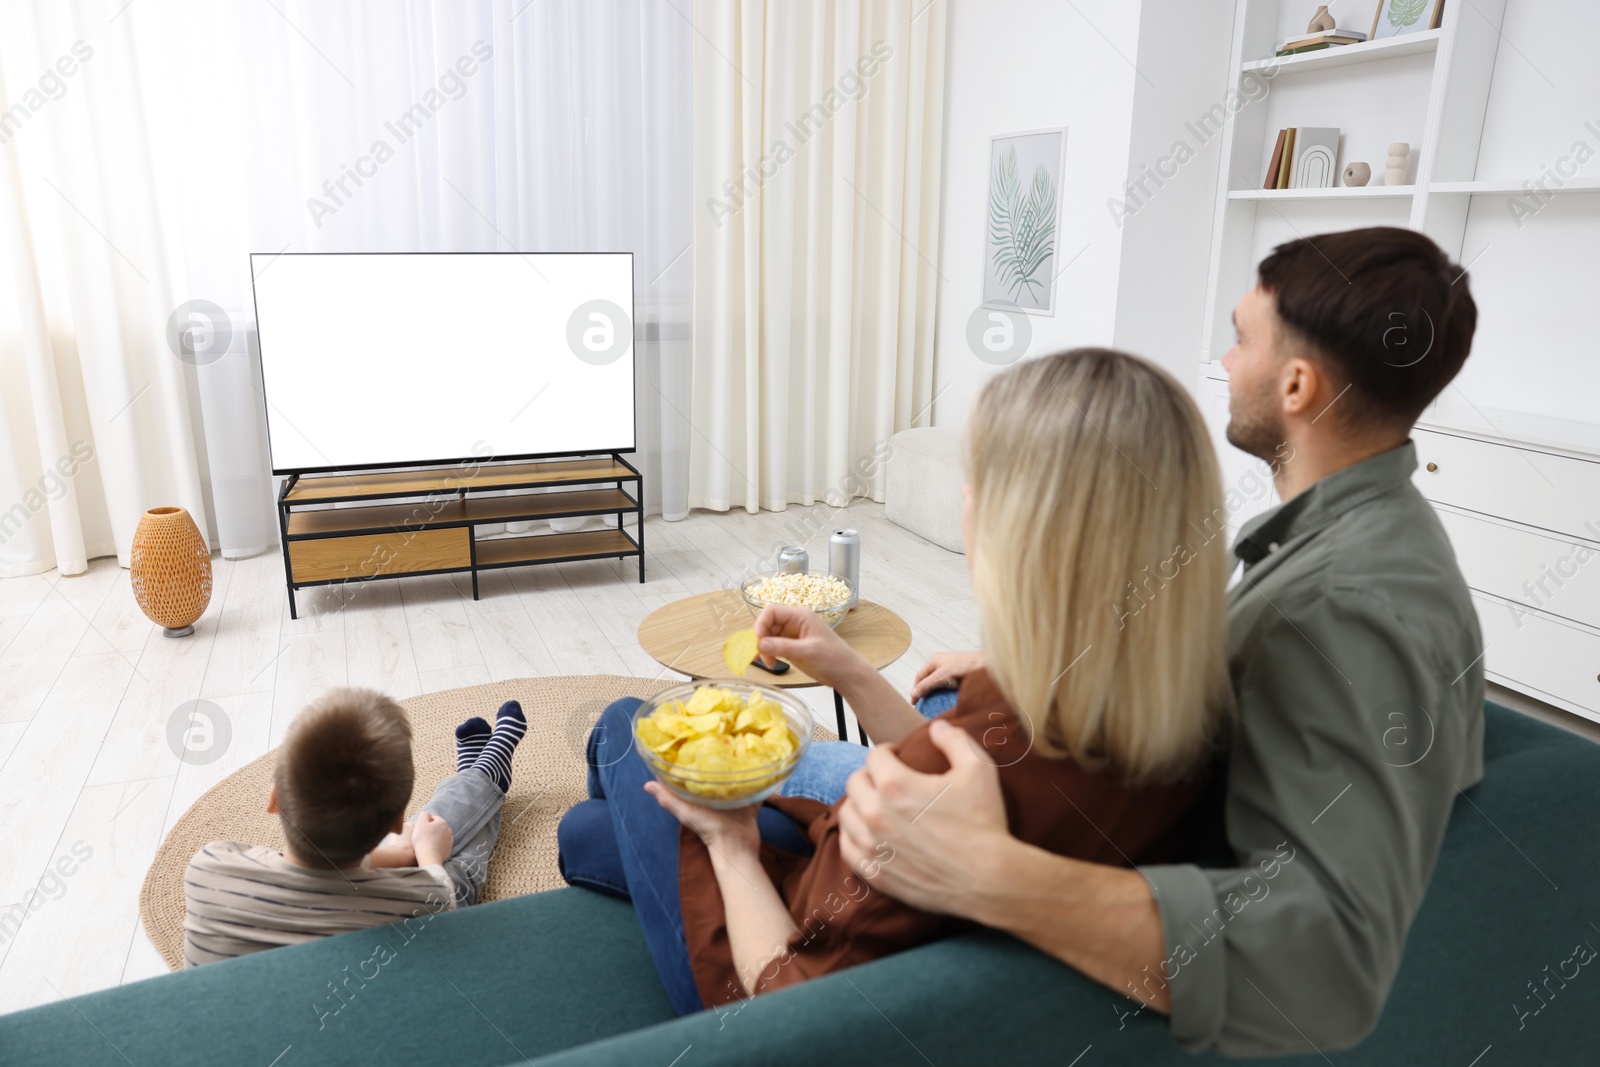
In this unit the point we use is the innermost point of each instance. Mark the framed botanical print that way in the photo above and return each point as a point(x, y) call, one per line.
point(1019, 261)
point(1395, 18)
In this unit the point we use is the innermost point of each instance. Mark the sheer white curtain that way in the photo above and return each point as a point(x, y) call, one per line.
point(97, 421)
point(196, 133)
point(816, 230)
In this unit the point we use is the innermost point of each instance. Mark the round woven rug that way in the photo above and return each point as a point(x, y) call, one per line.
point(547, 779)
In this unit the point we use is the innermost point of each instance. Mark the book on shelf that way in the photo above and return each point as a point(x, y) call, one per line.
point(1325, 35)
point(1285, 165)
point(1271, 181)
point(1312, 44)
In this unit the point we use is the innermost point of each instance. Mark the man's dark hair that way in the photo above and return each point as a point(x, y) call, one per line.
point(1387, 311)
point(344, 774)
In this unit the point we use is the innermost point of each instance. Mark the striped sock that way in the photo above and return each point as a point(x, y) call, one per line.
point(495, 760)
point(471, 736)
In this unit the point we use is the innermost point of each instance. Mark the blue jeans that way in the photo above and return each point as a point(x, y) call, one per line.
point(622, 843)
point(829, 764)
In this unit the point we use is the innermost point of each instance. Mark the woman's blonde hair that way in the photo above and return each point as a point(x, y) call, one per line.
point(1098, 563)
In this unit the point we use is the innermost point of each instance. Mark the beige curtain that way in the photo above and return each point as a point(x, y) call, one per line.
point(817, 150)
point(98, 421)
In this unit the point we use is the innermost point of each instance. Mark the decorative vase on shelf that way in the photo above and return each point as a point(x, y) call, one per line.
point(1394, 172)
point(170, 570)
point(1357, 174)
point(1321, 22)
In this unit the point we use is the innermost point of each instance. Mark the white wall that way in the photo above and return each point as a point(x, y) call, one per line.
point(1174, 157)
point(1022, 65)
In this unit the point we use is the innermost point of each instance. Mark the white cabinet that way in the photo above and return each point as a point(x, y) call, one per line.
point(1553, 492)
point(1531, 570)
point(1525, 525)
point(1546, 658)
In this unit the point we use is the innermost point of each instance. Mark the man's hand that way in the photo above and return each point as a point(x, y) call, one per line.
point(943, 670)
point(431, 839)
point(733, 830)
point(940, 842)
point(801, 637)
point(933, 841)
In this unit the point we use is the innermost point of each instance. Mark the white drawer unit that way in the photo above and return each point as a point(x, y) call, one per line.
point(1528, 486)
point(1525, 524)
point(1556, 662)
point(1533, 569)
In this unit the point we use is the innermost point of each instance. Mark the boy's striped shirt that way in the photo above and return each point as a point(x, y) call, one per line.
point(243, 898)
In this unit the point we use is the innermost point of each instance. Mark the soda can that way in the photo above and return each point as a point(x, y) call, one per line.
point(844, 560)
point(793, 560)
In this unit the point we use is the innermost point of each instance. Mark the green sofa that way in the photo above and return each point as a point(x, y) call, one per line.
point(564, 978)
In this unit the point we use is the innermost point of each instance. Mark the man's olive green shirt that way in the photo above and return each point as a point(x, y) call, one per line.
point(1357, 661)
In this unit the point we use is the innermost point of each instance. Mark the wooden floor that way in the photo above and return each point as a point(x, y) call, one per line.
point(88, 687)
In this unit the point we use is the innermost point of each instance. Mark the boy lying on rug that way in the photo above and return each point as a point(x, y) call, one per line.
point(341, 785)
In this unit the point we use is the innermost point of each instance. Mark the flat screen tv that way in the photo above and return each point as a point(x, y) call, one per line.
point(390, 359)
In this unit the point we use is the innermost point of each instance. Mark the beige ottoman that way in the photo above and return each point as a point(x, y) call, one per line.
point(924, 489)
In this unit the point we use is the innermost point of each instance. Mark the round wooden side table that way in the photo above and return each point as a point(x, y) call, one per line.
point(687, 635)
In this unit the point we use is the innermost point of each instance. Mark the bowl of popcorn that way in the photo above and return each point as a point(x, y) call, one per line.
point(826, 594)
point(724, 746)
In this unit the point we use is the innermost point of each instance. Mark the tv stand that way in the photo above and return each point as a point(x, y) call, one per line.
point(432, 530)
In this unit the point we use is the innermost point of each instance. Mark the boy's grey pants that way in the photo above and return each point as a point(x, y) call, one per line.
point(470, 803)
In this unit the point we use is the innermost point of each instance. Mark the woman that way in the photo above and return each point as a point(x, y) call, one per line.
point(1090, 477)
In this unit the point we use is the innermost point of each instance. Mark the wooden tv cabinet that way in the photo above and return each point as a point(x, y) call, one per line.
point(401, 523)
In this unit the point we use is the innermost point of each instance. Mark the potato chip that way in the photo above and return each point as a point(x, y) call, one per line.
point(670, 722)
point(758, 750)
point(779, 734)
point(711, 722)
point(709, 700)
point(654, 737)
point(764, 713)
point(739, 650)
point(697, 751)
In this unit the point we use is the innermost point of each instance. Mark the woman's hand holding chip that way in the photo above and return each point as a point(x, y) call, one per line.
point(800, 636)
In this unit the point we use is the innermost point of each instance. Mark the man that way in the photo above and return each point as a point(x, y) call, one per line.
point(1356, 658)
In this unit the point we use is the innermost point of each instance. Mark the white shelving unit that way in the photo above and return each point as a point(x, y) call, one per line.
point(1452, 65)
point(1510, 458)
point(1351, 54)
point(1513, 188)
point(1338, 192)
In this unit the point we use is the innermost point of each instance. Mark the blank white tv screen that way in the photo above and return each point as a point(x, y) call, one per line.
point(395, 359)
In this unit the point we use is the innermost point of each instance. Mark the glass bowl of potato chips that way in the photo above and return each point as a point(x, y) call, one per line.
point(829, 595)
point(723, 745)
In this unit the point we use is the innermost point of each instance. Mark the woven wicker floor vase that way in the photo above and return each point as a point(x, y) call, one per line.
point(170, 570)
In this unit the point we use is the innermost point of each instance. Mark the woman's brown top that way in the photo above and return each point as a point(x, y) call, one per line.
point(842, 920)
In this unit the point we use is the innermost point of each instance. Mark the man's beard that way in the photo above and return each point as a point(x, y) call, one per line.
point(1254, 426)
